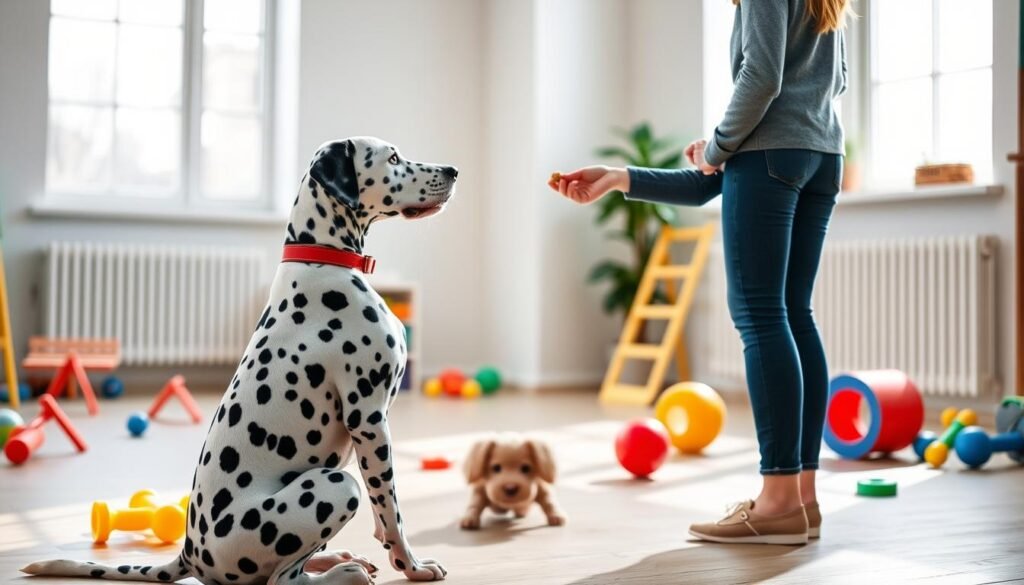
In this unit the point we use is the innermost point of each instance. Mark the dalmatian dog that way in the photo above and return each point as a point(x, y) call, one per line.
point(311, 393)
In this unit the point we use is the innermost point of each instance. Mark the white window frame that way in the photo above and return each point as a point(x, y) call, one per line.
point(858, 105)
point(188, 197)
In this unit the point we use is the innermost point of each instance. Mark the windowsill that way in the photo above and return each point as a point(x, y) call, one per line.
point(884, 196)
point(53, 209)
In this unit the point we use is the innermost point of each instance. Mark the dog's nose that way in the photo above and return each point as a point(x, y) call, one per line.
point(450, 172)
point(510, 489)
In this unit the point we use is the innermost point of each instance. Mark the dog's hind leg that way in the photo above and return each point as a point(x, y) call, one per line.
point(299, 520)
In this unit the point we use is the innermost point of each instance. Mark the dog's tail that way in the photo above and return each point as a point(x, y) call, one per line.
point(172, 571)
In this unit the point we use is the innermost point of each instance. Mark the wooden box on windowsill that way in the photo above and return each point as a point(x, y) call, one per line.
point(944, 174)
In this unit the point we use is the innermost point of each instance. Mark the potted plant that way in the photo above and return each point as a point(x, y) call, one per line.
point(635, 223)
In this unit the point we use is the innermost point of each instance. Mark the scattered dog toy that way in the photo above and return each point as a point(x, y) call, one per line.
point(24, 392)
point(876, 488)
point(435, 463)
point(1010, 417)
point(167, 522)
point(112, 387)
point(692, 413)
point(938, 451)
point(25, 440)
point(471, 389)
point(510, 473)
point(451, 381)
point(896, 413)
point(176, 387)
point(9, 420)
point(433, 388)
point(489, 378)
point(642, 446)
point(137, 423)
point(975, 447)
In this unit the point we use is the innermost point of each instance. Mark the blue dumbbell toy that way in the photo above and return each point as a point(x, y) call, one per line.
point(974, 447)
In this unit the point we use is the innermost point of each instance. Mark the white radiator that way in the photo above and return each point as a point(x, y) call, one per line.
point(924, 306)
point(169, 305)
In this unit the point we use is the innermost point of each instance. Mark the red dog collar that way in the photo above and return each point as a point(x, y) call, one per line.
point(313, 254)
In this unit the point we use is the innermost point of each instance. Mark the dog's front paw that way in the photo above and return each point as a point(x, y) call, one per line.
point(425, 570)
point(470, 522)
point(556, 519)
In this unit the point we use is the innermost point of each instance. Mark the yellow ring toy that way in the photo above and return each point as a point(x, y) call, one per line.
point(693, 413)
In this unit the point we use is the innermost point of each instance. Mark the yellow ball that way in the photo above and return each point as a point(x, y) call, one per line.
point(936, 454)
point(432, 388)
point(693, 413)
point(471, 389)
point(948, 414)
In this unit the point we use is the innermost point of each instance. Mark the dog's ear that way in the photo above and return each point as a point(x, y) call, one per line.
point(542, 459)
point(478, 459)
point(334, 168)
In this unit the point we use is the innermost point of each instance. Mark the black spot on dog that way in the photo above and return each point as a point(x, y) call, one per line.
point(325, 335)
point(251, 519)
point(364, 386)
point(291, 395)
point(257, 434)
point(336, 477)
point(332, 460)
point(308, 410)
point(292, 378)
point(390, 341)
point(324, 511)
point(286, 447)
point(382, 452)
point(355, 418)
point(375, 417)
point(288, 544)
point(268, 504)
point(247, 566)
point(244, 479)
point(289, 477)
point(203, 526)
point(229, 459)
point(271, 441)
point(315, 374)
point(223, 527)
point(268, 533)
point(97, 573)
point(262, 374)
point(300, 300)
point(334, 300)
point(265, 356)
point(234, 414)
point(123, 569)
point(371, 314)
point(353, 503)
point(263, 394)
point(282, 508)
point(299, 317)
point(313, 437)
point(306, 499)
point(334, 324)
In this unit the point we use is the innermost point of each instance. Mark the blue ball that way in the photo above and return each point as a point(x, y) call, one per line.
point(112, 387)
point(138, 422)
point(973, 446)
point(24, 392)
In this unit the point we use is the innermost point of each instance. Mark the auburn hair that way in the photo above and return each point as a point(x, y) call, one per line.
point(828, 15)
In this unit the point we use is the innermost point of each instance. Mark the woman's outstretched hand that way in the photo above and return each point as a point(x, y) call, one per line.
point(589, 184)
point(695, 154)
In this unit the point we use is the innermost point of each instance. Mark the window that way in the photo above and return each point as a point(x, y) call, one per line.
point(930, 97)
point(159, 101)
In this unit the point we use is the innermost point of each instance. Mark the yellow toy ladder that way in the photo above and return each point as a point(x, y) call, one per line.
point(659, 268)
point(6, 343)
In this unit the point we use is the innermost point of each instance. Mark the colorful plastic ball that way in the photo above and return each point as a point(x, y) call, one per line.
point(924, 438)
point(692, 413)
point(138, 422)
point(471, 389)
point(24, 392)
point(451, 381)
point(489, 379)
point(8, 420)
point(642, 446)
point(432, 388)
point(112, 387)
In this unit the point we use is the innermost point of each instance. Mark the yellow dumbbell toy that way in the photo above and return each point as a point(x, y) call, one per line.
point(167, 522)
point(937, 452)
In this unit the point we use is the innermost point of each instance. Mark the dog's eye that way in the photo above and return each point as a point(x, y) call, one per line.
point(526, 469)
point(496, 468)
point(394, 159)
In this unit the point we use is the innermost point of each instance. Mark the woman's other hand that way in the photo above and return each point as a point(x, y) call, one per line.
point(589, 184)
point(695, 154)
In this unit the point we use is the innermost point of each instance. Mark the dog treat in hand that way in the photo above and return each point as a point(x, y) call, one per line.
point(555, 177)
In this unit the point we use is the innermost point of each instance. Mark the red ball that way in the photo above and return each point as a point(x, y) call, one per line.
point(642, 446)
point(451, 381)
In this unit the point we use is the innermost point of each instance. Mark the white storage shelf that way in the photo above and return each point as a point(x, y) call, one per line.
point(404, 300)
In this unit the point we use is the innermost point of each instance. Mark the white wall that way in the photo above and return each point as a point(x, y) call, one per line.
point(410, 72)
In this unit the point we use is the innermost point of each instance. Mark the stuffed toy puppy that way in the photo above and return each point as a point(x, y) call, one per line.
point(510, 473)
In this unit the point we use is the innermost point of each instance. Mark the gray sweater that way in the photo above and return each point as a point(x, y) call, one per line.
point(786, 77)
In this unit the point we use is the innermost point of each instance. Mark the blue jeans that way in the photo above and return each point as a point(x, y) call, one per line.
point(776, 206)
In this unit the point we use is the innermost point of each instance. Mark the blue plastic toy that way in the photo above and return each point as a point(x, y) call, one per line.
point(24, 392)
point(112, 387)
point(924, 438)
point(974, 447)
point(138, 422)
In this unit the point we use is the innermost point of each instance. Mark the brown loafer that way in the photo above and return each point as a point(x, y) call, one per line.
point(813, 520)
point(742, 525)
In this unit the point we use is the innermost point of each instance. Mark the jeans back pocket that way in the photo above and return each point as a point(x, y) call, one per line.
point(791, 166)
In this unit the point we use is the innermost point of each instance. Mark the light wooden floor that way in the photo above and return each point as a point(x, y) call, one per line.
point(944, 527)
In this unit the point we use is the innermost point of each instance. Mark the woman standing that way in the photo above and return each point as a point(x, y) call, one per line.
point(780, 144)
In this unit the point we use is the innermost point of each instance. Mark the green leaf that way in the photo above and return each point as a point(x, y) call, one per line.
point(671, 161)
point(606, 269)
